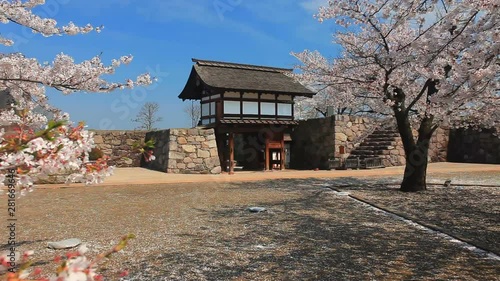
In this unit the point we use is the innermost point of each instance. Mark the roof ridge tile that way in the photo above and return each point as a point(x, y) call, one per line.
point(240, 66)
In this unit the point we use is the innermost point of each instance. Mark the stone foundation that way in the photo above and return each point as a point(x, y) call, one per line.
point(118, 145)
point(188, 151)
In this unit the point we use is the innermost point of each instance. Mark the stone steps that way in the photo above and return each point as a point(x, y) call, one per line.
point(384, 134)
point(377, 145)
point(367, 152)
point(380, 138)
point(362, 157)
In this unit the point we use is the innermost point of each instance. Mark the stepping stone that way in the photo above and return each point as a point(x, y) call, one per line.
point(64, 244)
point(257, 209)
point(342, 193)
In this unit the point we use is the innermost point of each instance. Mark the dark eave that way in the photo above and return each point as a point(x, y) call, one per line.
point(259, 121)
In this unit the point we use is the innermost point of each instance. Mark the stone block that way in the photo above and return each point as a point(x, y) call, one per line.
point(402, 160)
point(172, 146)
point(191, 165)
point(175, 155)
point(203, 154)
point(211, 162)
point(181, 166)
point(105, 146)
point(214, 152)
point(182, 140)
point(212, 144)
point(198, 161)
point(188, 160)
point(98, 139)
point(130, 142)
point(199, 138)
point(189, 148)
point(116, 142)
point(340, 137)
point(208, 132)
point(216, 170)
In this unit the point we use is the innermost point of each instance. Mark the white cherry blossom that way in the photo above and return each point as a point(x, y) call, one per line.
point(61, 147)
point(426, 63)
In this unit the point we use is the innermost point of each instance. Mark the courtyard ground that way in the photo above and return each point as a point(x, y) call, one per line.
point(203, 231)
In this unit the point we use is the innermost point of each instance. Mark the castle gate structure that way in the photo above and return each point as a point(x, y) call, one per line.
point(251, 109)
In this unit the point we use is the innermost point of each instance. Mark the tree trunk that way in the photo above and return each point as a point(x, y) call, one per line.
point(416, 168)
point(415, 152)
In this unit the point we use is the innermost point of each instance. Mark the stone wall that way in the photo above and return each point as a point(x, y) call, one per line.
point(438, 149)
point(118, 146)
point(190, 151)
point(471, 146)
point(350, 131)
point(317, 140)
point(314, 141)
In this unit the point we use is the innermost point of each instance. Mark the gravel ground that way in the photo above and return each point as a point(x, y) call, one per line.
point(204, 232)
point(469, 209)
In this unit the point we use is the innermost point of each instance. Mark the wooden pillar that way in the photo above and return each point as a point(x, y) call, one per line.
point(220, 139)
point(267, 158)
point(231, 153)
point(282, 156)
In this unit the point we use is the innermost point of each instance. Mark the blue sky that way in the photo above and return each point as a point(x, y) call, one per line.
point(163, 36)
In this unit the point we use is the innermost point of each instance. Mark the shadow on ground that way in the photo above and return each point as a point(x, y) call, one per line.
point(316, 236)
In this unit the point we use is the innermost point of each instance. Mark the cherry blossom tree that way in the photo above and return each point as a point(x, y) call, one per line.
point(329, 97)
point(427, 62)
point(61, 146)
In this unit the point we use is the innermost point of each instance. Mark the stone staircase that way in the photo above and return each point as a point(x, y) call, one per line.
point(382, 148)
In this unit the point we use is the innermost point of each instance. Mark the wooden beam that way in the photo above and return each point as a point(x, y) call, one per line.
point(231, 153)
point(247, 128)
